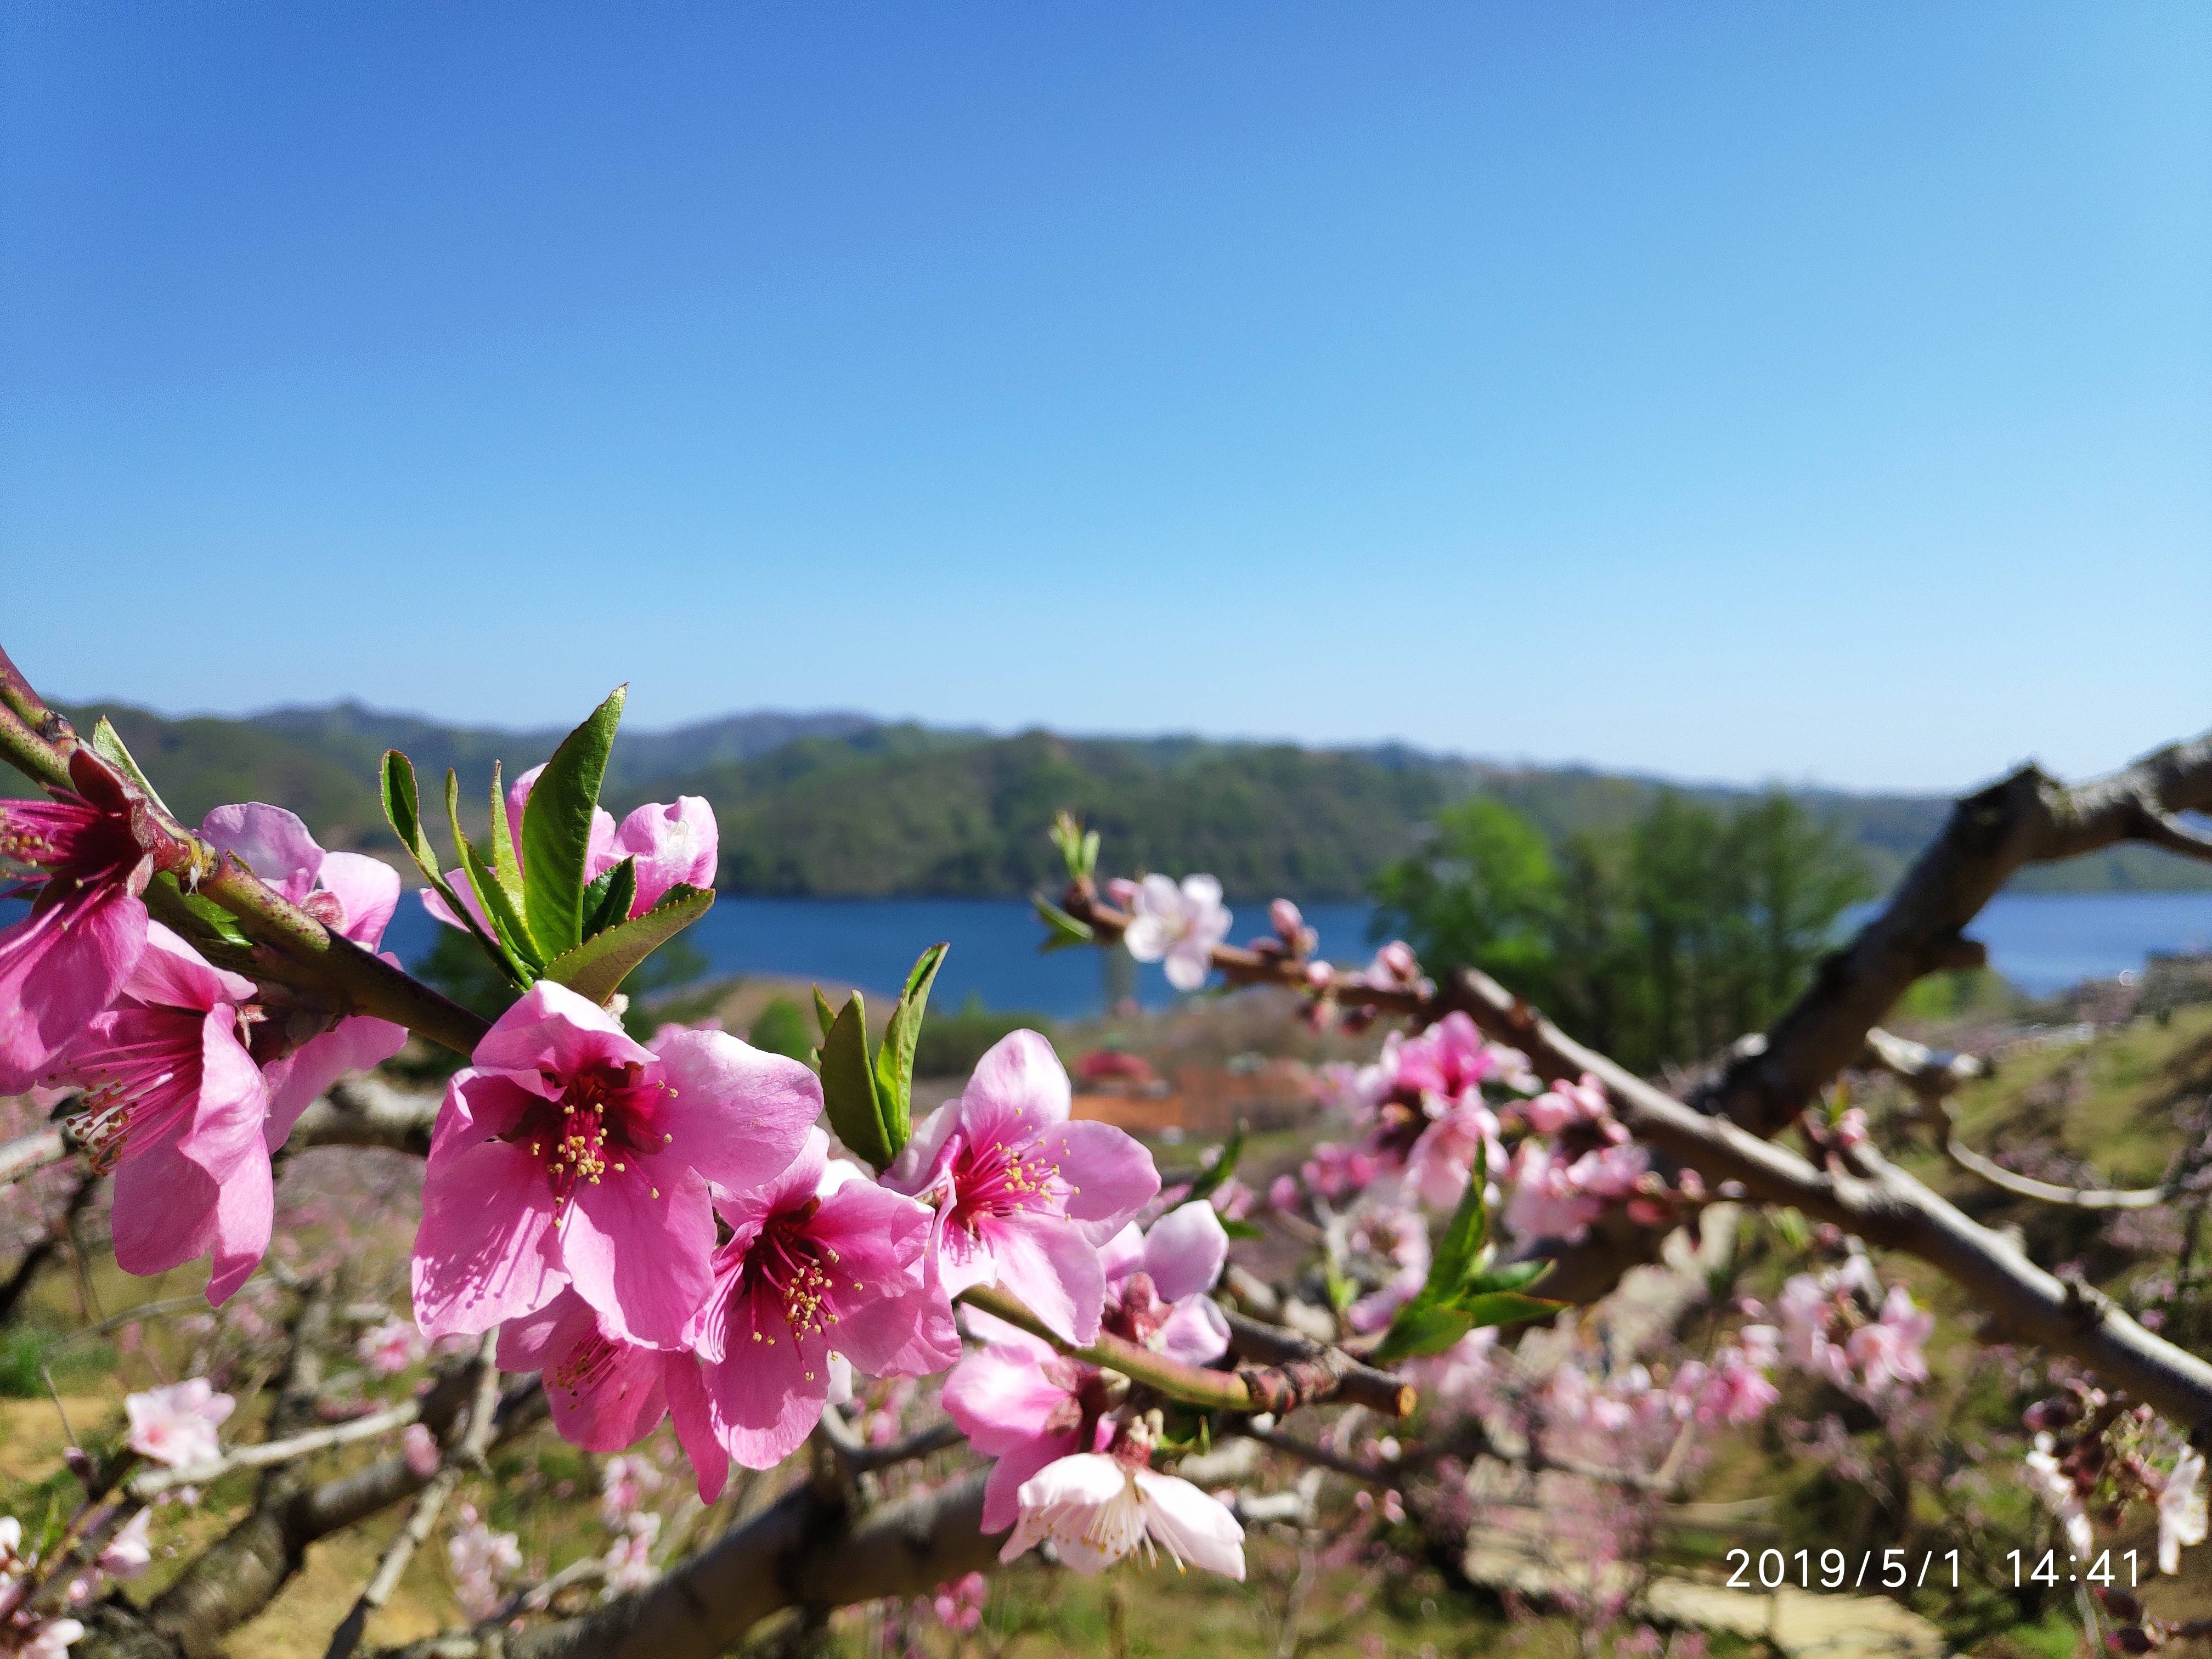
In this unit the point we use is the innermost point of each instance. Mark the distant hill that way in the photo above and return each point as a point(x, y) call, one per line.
point(840, 803)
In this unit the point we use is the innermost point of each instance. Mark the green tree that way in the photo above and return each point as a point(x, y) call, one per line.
point(1661, 944)
point(783, 1029)
point(1482, 893)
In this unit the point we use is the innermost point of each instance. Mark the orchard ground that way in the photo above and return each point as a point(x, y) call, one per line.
point(2096, 1102)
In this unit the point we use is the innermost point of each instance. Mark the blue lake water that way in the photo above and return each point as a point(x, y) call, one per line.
point(2041, 942)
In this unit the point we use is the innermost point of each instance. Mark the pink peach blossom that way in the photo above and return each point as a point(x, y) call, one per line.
point(569, 1154)
point(1179, 926)
point(176, 1425)
point(1023, 1196)
point(673, 843)
point(1096, 1509)
point(69, 957)
point(348, 892)
point(821, 1260)
point(607, 1393)
point(174, 1103)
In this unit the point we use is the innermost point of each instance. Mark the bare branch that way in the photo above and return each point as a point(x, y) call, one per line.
point(467, 1449)
point(2049, 1192)
point(799, 1552)
point(1302, 1373)
point(153, 1483)
point(1882, 1204)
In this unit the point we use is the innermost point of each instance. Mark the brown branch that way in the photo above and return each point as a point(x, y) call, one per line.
point(466, 1449)
point(1304, 1374)
point(153, 1483)
point(1880, 1204)
point(1934, 1076)
point(38, 741)
point(803, 1552)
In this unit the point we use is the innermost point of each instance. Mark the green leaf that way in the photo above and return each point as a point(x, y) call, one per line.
point(597, 968)
point(824, 1015)
point(1236, 1229)
point(1220, 1169)
point(895, 1060)
point(556, 828)
point(1342, 1291)
point(1063, 932)
point(1507, 1308)
point(1417, 1330)
point(107, 743)
point(848, 1087)
point(608, 899)
point(1456, 1254)
point(218, 921)
point(403, 811)
point(1513, 1276)
point(503, 865)
point(498, 904)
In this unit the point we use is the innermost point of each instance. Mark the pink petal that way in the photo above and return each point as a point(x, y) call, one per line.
point(1051, 1268)
point(764, 1402)
point(533, 1342)
point(224, 1130)
point(672, 844)
point(621, 1404)
point(923, 1160)
point(1200, 1532)
point(171, 973)
point(1000, 1398)
point(294, 1081)
point(1016, 1466)
point(642, 1259)
point(165, 1207)
point(59, 967)
point(735, 1113)
point(244, 1210)
point(367, 892)
point(553, 1028)
point(1123, 1253)
point(1113, 1177)
point(274, 843)
point(1196, 1332)
point(480, 1105)
point(486, 1250)
point(747, 1207)
point(1185, 1251)
point(688, 1406)
point(1019, 1077)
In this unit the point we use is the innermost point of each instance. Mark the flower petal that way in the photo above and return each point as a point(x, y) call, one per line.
point(1185, 1251)
point(736, 1114)
point(641, 1257)
point(1113, 1175)
point(486, 1250)
point(1018, 1079)
point(274, 843)
point(1049, 1267)
point(1197, 1530)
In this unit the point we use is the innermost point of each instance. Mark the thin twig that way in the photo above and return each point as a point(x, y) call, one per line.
point(467, 1449)
point(154, 1482)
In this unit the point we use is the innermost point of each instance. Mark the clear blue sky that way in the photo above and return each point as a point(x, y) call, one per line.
point(1743, 391)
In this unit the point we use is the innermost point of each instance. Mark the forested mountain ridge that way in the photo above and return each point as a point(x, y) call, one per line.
point(840, 805)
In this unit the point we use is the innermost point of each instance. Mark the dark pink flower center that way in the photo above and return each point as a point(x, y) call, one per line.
point(586, 1365)
point(999, 1181)
point(796, 1270)
point(146, 1072)
point(72, 843)
point(605, 1119)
